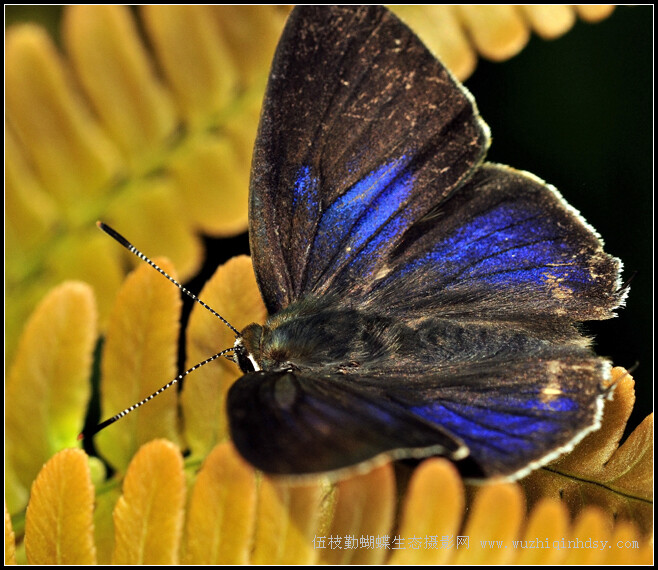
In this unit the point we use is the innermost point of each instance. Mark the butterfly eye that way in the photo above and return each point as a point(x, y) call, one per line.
point(244, 363)
point(246, 349)
point(242, 358)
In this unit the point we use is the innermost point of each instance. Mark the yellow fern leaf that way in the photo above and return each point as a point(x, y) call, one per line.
point(233, 288)
point(48, 385)
point(221, 511)
point(148, 518)
point(139, 357)
point(59, 520)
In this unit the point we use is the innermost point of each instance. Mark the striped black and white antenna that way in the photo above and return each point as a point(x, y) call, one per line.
point(132, 249)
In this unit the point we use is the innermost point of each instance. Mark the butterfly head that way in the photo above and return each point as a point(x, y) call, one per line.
point(285, 343)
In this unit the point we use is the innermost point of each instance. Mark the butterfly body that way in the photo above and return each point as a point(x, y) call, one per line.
point(422, 302)
point(318, 334)
point(323, 334)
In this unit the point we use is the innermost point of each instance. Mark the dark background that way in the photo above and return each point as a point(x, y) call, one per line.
point(577, 112)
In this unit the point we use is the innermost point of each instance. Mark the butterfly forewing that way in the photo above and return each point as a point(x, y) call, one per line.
point(362, 132)
point(314, 424)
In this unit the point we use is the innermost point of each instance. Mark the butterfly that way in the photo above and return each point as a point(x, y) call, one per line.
point(422, 301)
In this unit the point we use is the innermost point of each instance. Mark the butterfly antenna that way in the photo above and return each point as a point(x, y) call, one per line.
point(125, 412)
point(627, 284)
point(132, 249)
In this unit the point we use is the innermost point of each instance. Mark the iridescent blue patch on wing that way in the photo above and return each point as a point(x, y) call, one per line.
point(366, 206)
point(305, 192)
point(520, 424)
point(368, 257)
point(508, 245)
point(366, 213)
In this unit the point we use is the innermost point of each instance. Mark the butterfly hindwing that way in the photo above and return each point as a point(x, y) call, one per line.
point(504, 247)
